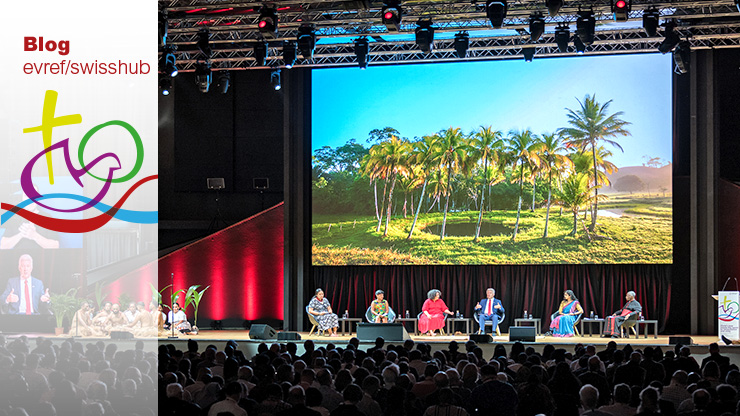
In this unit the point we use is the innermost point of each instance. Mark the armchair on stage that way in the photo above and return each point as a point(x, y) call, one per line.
point(315, 324)
point(391, 315)
point(629, 323)
point(501, 318)
point(444, 317)
point(575, 323)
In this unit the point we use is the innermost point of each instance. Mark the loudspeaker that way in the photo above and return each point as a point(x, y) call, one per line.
point(680, 340)
point(262, 331)
point(289, 336)
point(522, 333)
point(481, 338)
point(389, 332)
point(121, 335)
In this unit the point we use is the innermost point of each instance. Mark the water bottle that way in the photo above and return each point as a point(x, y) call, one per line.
point(592, 314)
point(642, 318)
point(346, 314)
point(530, 316)
point(525, 314)
point(408, 315)
point(457, 314)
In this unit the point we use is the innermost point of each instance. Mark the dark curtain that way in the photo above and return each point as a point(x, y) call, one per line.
point(538, 289)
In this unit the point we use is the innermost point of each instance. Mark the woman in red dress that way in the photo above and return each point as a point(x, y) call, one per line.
point(432, 313)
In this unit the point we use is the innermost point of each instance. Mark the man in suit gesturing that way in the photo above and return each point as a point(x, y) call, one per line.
point(491, 310)
point(24, 293)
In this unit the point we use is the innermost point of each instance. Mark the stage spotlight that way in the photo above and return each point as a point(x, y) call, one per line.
point(306, 41)
point(462, 42)
point(275, 79)
point(528, 53)
point(496, 12)
point(553, 6)
point(165, 84)
point(204, 44)
point(224, 79)
point(536, 26)
point(562, 37)
point(650, 20)
point(392, 15)
point(621, 9)
point(268, 22)
point(671, 38)
point(585, 26)
point(681, 56)
point(203, 76)
point(170, 66)
point(425, 35)
point(289, 53)
point(737, 3)
point(362, 50)
point(261, 51)
point(580, 46)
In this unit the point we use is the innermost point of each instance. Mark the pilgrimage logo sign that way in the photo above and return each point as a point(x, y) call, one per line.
point(81, 203)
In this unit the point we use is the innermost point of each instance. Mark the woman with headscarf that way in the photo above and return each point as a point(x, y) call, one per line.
point(320, 308)
point(379, 308)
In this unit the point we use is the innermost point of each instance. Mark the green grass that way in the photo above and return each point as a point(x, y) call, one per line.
point(643, 235)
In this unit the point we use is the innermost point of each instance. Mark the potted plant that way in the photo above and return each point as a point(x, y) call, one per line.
point(63, 305)
point(194, 297)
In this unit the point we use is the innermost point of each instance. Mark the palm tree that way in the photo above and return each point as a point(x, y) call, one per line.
point(591, 126)
point(583, 162)
point(486, 145)
point(554, 163)
point(574, 194)
point(452, 154)
point(394, 153)
point(371, 167)
point(424, 155)
point(522, 147)
point(387, 160)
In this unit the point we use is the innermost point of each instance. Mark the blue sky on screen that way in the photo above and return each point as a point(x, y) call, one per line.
point(422, 99)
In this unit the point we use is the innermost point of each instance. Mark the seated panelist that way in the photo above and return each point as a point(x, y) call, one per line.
point(490, 309)
point(379, 308)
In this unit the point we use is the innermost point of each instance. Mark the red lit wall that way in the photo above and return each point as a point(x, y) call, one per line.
point(243, 264)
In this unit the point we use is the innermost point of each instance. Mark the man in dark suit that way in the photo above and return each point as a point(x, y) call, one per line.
point(23, 294)
point(491, 309)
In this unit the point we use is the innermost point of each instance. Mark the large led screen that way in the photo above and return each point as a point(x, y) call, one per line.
point(560, 160)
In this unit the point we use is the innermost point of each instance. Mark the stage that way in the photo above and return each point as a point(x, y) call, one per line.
point(249, 346)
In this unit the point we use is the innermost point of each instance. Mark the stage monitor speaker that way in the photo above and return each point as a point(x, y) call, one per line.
point(289, 336)
point(522, 333)
point(680, 340)
point(389, 332)
point(262, 331)
point(121, 335)
point(481, 338)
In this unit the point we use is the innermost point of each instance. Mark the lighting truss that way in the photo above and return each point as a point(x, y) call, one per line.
point(233, 34)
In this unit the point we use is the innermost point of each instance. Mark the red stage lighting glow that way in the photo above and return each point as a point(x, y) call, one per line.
point(389, 15)
point(621, 4)
point(196, 10)
point(262, 24)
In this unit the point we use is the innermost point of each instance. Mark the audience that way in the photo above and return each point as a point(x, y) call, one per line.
point(411, 380)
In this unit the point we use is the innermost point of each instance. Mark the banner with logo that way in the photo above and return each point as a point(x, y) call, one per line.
point(78, 179)
point(728, 313)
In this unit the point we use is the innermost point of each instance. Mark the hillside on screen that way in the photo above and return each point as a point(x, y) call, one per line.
point(561, 160)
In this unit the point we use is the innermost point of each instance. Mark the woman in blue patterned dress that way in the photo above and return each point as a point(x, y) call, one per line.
point(566, 316)
point(320, 308)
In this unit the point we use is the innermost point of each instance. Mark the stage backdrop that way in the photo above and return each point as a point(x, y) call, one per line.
point(243, 264)
point(538, 289)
